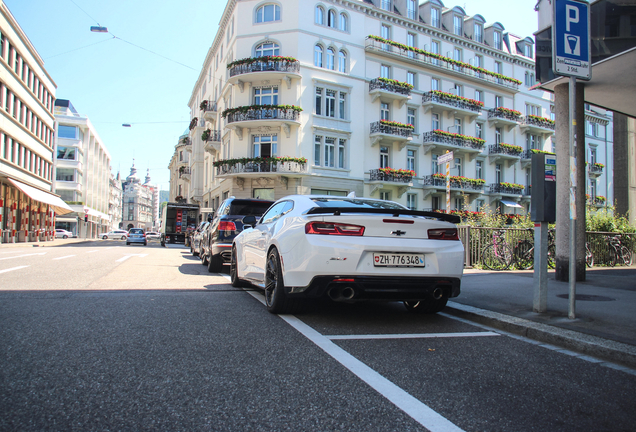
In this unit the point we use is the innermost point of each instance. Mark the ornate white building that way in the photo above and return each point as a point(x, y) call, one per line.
point(140, 202)
point(386, 88)
point(115, 202)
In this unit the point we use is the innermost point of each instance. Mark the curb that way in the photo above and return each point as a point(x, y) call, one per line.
point(594, 346)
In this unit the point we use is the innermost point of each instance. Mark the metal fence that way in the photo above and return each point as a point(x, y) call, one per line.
point(475, 239)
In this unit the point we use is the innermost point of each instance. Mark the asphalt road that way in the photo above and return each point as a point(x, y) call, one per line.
point(103, 336)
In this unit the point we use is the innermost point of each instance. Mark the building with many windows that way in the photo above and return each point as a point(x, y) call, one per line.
point(179, 167)
point(115, 202)
point(82, 173)
point(140, 207)
point(27, 203)
point(386, 89)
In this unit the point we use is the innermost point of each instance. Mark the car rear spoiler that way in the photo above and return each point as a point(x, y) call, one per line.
point(337, 211)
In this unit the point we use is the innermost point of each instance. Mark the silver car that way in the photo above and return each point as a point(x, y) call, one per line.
point(136, 235)
point(115, 234)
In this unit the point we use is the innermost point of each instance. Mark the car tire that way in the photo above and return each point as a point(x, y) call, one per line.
point(193, 252)
point(123, 237)
point(127, 243)
point(105, 237)
point(276, 300)
point(204, 259)
point(215, 264)
point(234, 279)
point(145, 243)
point(64, 236)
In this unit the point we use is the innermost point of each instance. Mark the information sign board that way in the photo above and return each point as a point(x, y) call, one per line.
point(571, 48)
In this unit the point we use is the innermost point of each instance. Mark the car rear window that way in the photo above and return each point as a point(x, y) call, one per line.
point(356, 203)
point(249, 208)
point(136, 231)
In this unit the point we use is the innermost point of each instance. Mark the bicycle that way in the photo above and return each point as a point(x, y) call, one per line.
point(524, 253)
point(498, 255)
point(589, 257)
point(618, 252)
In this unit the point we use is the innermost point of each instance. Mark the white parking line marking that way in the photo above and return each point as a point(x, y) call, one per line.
point(125, 257)
point(20, 256)
point(13, 268)
point(412, 406)
point(413, 336)
point(64, 257)
point(93, 251)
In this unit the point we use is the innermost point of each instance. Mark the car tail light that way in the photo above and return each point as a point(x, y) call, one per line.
point(227, 226)
point(329, 228)
point(443, 234)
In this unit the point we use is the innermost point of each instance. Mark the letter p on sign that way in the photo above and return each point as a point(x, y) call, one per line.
point(572, 16)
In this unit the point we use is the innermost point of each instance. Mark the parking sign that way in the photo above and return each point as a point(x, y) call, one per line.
point(571, 39)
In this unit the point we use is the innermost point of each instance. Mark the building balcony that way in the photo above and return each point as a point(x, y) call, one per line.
point(453, 105)
point(498, 153)
point(184, 173)
point(595, 170)
point(211, 141)
point(260, 69)
point(256, 167)
point(504, 117)
point(442, 140)
point(508, 189)
point(389, 175)
point(438, 63)
point(209, 110)
point(459, 185)
point(537, 125)
point(262, 116)
point(389, 90)
point(386, 132)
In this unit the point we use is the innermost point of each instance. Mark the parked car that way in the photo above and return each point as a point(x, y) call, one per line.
point(227, 224)
point(195, 238)
point(115, 234)
point(136, 235)
point(151, 235)
point(62, 233)
point(350, 249)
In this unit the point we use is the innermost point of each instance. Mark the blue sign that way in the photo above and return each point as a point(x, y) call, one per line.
point(571, 39)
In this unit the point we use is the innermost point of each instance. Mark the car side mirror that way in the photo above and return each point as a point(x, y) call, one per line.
point(249, 221)
point(210, 217)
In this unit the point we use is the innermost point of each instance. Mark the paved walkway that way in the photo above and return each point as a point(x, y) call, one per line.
point(605, 309)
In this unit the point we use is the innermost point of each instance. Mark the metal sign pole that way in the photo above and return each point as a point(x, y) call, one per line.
point(572, 263)
point(448, 188)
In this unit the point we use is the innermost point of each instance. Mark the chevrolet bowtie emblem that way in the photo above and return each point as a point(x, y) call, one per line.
point(398, 233)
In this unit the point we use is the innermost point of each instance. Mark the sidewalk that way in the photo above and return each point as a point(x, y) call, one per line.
point(54, 242)
point(605, 309)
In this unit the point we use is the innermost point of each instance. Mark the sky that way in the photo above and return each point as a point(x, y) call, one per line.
point(143, 71)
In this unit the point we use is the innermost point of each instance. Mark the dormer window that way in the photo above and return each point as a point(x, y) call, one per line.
point(457, 25)
point(527, 50)
point(435, 17)
point(497, 40)
point(411, 9)
point(478, 33)
point(385, 4)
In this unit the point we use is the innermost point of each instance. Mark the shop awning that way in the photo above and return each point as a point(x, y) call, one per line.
point(58, 205)
point(511, 204)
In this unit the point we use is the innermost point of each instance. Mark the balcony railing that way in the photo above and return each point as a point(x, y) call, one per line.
point(466, 185)
point(383, 128)
point(539, 122)
point(263, 114)
point(502, 150)
point(208, 105)
point(500, 188)
point(184, 171)
point(377, 175)
point(458, 103)
point(437, 63)
point(432, 137)
point(377, 83)
point(265, 66)
point(595, 169)
point(261, 167)
point(185, 141)
point(505, 115)
point(211, 135)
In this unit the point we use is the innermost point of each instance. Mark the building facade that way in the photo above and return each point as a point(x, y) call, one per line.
point(82, 173)
point(27, 93)
point(180, 170)
point(385, 90)
point(115, 203)
point(140, 202)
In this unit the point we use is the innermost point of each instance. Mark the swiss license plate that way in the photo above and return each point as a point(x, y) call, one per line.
point(398, 260)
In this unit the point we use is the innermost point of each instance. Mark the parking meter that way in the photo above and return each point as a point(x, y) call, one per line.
point(543, 198)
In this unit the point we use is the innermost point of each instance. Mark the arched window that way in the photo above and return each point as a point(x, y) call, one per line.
point(320, 15)
point(331, 59)
point(318, 55)
point(342, 62)
point(344, 22)
point(267, 49)
point(331, 18)
point(267, 13)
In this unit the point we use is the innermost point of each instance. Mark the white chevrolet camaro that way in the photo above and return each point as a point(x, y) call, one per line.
point(350, 249)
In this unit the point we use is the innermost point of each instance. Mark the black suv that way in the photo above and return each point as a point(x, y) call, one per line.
point(216, 243)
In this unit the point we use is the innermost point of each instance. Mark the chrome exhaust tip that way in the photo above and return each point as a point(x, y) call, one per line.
point(438, 293)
